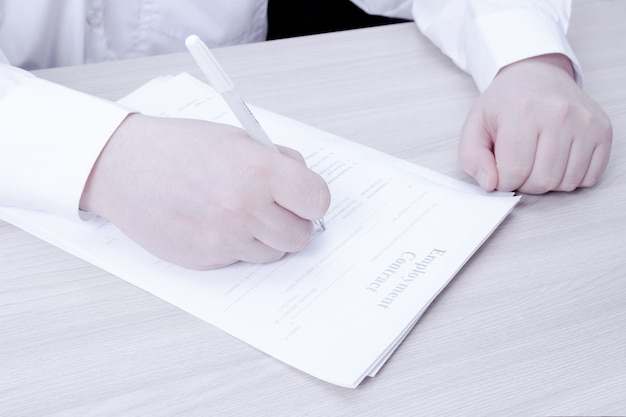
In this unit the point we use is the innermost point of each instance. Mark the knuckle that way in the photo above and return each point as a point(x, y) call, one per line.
point(560, 108)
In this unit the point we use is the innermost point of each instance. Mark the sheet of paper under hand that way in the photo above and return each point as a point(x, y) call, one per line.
point(396, 235)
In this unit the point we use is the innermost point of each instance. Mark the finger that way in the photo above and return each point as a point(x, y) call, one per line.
point(299, 190)
point(246, 250)
point(238, 245)
point(599, 162)
point(282, 230)
point(258, 252)
point(550, 162)
point(602, 135)
point(598, 135)
point(515, 152)
point(578, 165)
point(476, 153)
point(211, 245)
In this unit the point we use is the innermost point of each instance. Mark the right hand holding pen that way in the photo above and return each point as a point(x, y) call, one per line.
point(204, 195)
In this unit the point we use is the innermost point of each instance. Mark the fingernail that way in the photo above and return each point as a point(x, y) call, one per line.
point(483, 178)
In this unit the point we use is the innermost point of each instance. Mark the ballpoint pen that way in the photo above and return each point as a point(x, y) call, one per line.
point(222, 83)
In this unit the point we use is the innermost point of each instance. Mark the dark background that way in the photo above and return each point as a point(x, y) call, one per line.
point(287, 18)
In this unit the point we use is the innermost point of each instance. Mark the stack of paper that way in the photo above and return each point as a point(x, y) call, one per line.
point(396, 234)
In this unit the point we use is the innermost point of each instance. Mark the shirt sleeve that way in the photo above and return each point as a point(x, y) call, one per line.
point(483, 36)
point(50, 138)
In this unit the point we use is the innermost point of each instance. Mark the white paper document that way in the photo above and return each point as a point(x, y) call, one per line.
point(396, 234)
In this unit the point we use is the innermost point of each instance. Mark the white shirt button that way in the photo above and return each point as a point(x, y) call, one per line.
point(94, 18)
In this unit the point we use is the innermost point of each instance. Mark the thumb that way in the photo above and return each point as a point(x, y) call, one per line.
point(476, 152)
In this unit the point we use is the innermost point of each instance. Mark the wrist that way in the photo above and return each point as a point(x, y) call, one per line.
point(104, 176)
point(555, 60)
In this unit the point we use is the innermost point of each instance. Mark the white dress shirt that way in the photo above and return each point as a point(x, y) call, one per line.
point(50, 136)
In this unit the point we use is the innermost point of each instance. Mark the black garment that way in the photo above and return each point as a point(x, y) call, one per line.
point(287, 18)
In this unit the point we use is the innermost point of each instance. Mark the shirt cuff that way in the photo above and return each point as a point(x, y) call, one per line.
point(50, 138)
point(498, 39)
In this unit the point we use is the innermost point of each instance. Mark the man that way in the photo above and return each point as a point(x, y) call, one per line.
point(168, 184)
